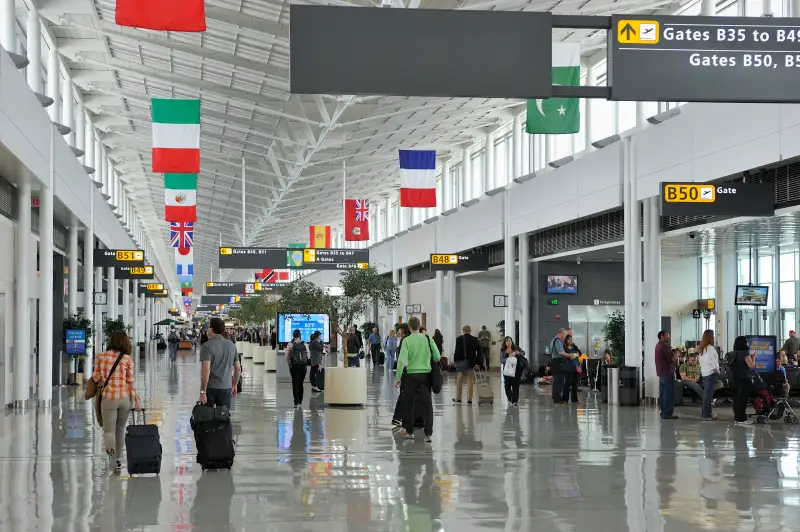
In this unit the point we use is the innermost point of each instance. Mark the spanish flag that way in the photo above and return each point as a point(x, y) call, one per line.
point(319, 236)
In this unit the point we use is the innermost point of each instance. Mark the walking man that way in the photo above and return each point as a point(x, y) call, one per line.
point(220, 368)
point(665, 368)
point(172, 341)
point(485, 338)
point(375, 345)
point(417, 354)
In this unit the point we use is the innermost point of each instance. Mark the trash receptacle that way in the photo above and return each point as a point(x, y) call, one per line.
point(629, 393)
point(603, 373)
point(613, 385)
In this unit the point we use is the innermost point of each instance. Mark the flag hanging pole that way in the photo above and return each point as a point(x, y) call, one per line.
point(244, 172)
point(344, 198)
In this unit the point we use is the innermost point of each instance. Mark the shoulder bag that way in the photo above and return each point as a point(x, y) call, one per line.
point(100, 387)
point(436, 371)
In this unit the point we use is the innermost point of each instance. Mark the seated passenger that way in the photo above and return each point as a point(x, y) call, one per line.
point(544, 376)
point(780, 362)
point(690, 374)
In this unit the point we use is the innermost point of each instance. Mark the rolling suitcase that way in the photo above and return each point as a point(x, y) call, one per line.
point(320, 379)
point(381, 358)
point(143, 447)
point(212, 437)
point(485, 393)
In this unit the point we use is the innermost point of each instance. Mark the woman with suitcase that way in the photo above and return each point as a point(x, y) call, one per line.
point(114, 381)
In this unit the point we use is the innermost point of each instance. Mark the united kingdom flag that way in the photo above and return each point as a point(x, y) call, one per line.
point(181, 234)
point(362, 210)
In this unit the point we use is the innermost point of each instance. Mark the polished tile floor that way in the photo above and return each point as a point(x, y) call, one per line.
point(531, 468)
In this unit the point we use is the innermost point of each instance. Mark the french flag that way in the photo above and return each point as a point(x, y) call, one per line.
point(418, 178)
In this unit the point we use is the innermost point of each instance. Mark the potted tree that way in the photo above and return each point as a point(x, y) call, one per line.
point(76, 360)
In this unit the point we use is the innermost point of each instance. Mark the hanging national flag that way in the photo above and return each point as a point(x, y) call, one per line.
point(269, 275)
point(356, 220)
point(181, 234)
point(185, 280)
point(180, 193)
point(184, 261)
point(186, 291)
point(417, 178)
point(176, 15)
point(319, 236)
point(176, 135)
point(559, 116)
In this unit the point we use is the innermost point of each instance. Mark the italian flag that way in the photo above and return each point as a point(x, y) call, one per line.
point(176, 136)
point(180, 193)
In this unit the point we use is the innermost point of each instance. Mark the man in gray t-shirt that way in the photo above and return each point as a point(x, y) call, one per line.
point(220, 366)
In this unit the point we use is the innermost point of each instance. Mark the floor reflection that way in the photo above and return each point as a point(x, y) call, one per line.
point(527, 468)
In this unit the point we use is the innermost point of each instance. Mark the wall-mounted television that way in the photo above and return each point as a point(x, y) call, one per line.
point(751, 295)
point(307, 323)
point(562, 284)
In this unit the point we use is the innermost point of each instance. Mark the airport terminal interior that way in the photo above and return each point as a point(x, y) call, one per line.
point(244, 209)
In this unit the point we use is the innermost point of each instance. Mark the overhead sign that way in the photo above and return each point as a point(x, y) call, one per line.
point(135, 272)
point(309, 258)
point(243, 289)
point(219, 300)
point(154, 287)
point(111, 258)
point(704, 59)
point(707, 304)
point(460, 262)
point(156, 294)
point(704, 199)
point(205, 308)
point(420, 52)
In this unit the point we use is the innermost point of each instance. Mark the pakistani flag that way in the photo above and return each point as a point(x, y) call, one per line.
point(559, 115)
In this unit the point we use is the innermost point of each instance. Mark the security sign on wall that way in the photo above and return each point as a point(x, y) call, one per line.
point(708, 199)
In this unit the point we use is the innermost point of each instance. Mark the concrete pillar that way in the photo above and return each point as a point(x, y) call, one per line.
point(525, 295)
point(135, 314)
point(452, 304)
point(405, 293)
point(45, 391)
point(22, 323)
point(80, 130)
point(68, 111)
point(72, 256)
point(98, 311)
point(88, 271)
point(447, 186)
point(633, 264)
point(466, 175)
point(795, 12)
point(53, 85)
point(488, 171)
point(516, 147)
point(88, 145)
point(126, 307)
point(396, 281)
point(113, 294)
point(509, 268)
point(8, 37)
point(591, 80)
point(652, 286)
point(439, 282)
point(145, 336)
point(33, 72)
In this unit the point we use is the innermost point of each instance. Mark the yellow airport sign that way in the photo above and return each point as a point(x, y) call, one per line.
point(443, 258)
point(208, 283)
point(638, 31)
point(256, 287)
point(154, 286)
point(141, 270)
point(226, 251)
point(362, 265)
point(689, 193)
point(129, 255)
point(309, 255)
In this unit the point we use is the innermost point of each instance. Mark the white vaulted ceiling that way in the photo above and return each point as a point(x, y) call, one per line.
point(293, 146)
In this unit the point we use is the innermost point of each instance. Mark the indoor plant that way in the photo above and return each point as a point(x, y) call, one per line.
point(614, 334)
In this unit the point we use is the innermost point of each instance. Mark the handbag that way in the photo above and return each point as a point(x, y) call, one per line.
point(510, 367)
point(99, 388)
point(436, 371)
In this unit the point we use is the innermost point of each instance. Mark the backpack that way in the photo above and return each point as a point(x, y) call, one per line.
point(173, 338)
point(299, 354)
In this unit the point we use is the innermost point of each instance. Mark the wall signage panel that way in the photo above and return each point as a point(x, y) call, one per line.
point(460, 262)
point(218, 300)
point(704, 59)
point(705, 199)
point(135, 272)
point(316, 259)
point(111, 258)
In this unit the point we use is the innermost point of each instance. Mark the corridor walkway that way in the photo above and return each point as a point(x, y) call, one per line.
point(530, 468)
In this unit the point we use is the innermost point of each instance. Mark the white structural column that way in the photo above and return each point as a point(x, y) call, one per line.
point(33, 72)
point(795, 7)
point(439, 282)
point(45, 391)
point(525, 294)
point(143, 304)
point(68, 111)
point(98, 311)
point(652, 287)
point(88, 270)
point(396, 281)
point(488, 170)
point(447, 186)
point(80, 130)
point(633, 264)
point(8, 16)
point(509, 267)
point(591, 80)
point(452, 304)
point(708, 8)
point(466, 178)
point(126, 312)
point(387, 223)
point(135, 314)
point(405, 293)
point(72, 257)
point(516, 147)
point(22, 325)
point(88, 158)
point(113, 294)
point(53, 85)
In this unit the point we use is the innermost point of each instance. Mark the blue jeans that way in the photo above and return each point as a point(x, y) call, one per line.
point(173, 351)
point(693, 386)
point(666, 395)
point(709, 384)
point(559, 384)
point(390, 356)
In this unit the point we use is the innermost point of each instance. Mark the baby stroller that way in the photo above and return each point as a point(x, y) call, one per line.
point(766, 407)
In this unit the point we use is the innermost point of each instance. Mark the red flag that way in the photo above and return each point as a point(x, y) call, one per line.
point(175, 15)
point(356, 220)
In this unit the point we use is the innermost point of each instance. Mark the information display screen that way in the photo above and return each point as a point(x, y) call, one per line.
point(307, 323)
point(111, 258)
point(751, 295)
point(460, 262)
point(562, 284)
point(276, 258)
point(76, 341)
point(135, 272)
point(764, 350)
point(704, 59)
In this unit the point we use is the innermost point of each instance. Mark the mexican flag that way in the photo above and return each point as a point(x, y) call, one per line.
point(175, 15)
point(176, 136)
point(180, 193)
point(559, 116)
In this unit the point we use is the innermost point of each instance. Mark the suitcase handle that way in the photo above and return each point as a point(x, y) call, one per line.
point(144, 419)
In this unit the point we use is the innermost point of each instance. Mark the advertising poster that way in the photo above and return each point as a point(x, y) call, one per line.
point(763, 348)
point(307, 324)
point(76, 341)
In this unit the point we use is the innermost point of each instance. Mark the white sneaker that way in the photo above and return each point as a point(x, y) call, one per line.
point(744, 423)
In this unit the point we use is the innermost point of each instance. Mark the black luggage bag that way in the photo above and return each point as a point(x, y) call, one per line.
point(212, 436)
point(381, 358)
point(143, 447)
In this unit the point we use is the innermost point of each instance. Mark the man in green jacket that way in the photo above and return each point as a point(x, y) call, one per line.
point(416, 355)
